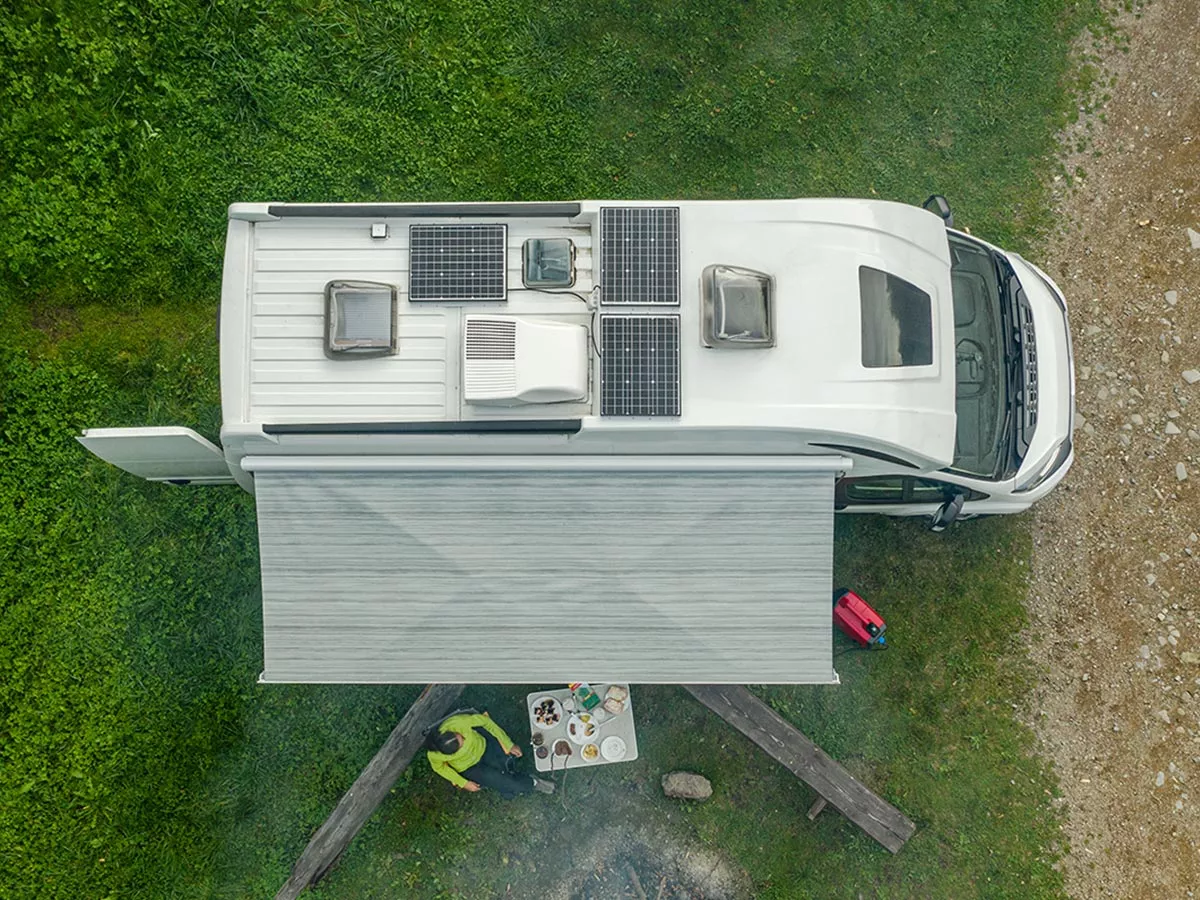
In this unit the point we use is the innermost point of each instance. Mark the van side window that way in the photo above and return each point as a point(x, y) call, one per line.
point(902, 489)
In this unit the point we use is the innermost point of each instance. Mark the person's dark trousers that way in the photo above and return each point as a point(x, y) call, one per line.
point(492, 770)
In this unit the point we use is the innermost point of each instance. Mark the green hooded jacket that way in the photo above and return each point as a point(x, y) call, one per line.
point(471, 751)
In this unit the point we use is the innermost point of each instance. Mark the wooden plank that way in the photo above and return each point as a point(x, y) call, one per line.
point(786, 744)
point(369, 789)
point(815, 809)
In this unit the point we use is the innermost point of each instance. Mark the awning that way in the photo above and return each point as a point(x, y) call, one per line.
point(497, 570)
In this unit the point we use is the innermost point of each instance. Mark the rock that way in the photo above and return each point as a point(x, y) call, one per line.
point(1160, 779)
point(1136, 419)
point(1194, 434)
point(1172, 414)
point(1191, 376)
point(686, 786)
point(1181, 472)
point(1194, 237)
point(1172, 428)
point(1172, 297)
point(1144, 651)
point(1192, 659)
point(1164, 715)
point(1091, 330)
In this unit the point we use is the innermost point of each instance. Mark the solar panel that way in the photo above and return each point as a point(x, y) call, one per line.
point(639, 255)
point(456, 262)
point(639, 365)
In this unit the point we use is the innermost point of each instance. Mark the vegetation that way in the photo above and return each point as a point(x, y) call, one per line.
point(138, 756)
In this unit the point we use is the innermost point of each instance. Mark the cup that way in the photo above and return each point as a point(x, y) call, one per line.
point(537, 739)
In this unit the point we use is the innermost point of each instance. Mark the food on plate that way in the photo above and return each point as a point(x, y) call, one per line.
point(617, 692)
point(591, 752)
point(547, 712)
point(614, 706)
point(581, 727)
point(562, 748)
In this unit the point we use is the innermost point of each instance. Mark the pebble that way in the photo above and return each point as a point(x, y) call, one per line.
point(1136, 419)
point(1172, 428)
point(1144, 651)
point(1160, 779)
point(1187, 657)
point(1191, 376)
point(1194, 434)
point(1091, 330)
point(1172, 297)
point(1181, 472)
point(1164, 715)
point(1194, 237)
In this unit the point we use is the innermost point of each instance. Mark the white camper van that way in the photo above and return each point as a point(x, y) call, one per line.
point(612, 381)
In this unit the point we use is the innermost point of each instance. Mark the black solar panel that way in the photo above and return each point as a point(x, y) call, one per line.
point(639, 255)
point(456, 262)
point(639, 365)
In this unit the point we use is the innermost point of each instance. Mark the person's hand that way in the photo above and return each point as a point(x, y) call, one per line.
point(470, 786)
point(515, 751)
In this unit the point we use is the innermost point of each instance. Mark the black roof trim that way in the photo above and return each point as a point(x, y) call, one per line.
point(506, 426)
point(423, 210)
point(870, 454)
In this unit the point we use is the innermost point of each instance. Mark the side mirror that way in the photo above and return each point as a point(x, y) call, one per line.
point(947, 513)
point(940, 206)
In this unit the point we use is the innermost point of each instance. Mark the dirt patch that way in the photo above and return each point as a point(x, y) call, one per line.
point(1114, 601)
point(619, 863)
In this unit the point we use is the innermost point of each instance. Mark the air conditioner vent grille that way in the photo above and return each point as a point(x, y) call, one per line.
point(491, 339)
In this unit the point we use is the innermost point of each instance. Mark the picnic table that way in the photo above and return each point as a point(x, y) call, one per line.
point(595, 737)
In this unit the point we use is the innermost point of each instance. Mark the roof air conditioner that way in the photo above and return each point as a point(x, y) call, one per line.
point(509, 361)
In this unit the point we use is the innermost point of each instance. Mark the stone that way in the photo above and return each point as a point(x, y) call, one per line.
point(1136, 419)
point(1160, 779)
point(1191, 659)
point(1172, 428)
point(1191, 376)
point(1194, 237)
point(1091, 330)
point(1181, 472)
point(686, 786)
point(1172, 297)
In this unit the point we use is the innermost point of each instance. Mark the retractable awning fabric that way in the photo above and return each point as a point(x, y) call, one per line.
point(459, 575)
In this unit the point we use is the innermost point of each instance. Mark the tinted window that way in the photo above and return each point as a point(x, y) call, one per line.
point(897, 321)
point(902, 489)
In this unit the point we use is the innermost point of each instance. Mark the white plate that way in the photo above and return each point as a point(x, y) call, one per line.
point(612, 748)
point(577, 728)
point(557, 709)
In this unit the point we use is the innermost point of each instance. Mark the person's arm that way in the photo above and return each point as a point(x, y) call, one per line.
point(440, 765)
point(495, 730)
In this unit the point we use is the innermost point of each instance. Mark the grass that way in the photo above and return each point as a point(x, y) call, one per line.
point(138, 756)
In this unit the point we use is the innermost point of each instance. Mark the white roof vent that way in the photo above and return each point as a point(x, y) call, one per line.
point(509, 361)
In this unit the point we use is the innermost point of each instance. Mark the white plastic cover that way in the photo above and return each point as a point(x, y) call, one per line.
point(160, 454)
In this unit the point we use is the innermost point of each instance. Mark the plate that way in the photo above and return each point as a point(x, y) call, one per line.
point(546, 712)
point(612, 748)
point(590, 752)
point(582, 727)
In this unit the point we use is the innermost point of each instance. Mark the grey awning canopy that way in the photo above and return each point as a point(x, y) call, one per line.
point(493, 575)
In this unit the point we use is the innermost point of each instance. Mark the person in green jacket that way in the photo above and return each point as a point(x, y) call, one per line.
point(471, 752)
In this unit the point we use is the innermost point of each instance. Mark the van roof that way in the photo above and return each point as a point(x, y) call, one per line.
point(810, 388)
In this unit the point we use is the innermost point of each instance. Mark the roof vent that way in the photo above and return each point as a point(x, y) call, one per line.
point(509, 361)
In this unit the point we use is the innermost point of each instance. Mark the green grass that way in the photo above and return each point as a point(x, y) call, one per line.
point(138, 755)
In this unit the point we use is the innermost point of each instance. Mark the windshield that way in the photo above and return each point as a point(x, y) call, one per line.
point(981, 401)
